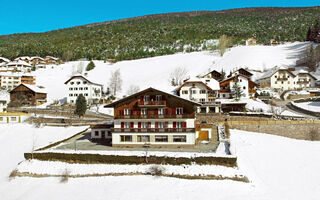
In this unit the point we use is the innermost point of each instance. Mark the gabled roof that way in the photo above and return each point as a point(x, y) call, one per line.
point(22, 58)
point(36, 57)
point(210, 83)
point(301, 71)
point(212, 72)
point(232, 77)
point(4, 59)
point(51, 57)
point(20, 62)
point(242, 69)
point(80, 76)
point(147, 90)
point(34, 88)
point(270, 73)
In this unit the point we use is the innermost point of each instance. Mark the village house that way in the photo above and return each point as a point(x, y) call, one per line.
point(287, 79)
point(6, 118)
point(154, 118)
point(243, 78)
point(49, 60)
point(214, 74)
point(79, 84)
point(26, 94)
point(4, 60)
point(10, 80)
point(203, 91)
point(102, 132)
point(26, 59)
point(36, 60)
point(20, 66)
point(251, 41)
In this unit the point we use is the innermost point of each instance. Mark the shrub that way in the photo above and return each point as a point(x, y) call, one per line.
point(156, 170)
point(90, 66)
point(13, 174)
point(65, 176)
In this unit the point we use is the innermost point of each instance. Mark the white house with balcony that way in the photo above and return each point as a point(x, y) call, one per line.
point(79, 84)
point(203, 91)
point(287, 79)
point(21, 66)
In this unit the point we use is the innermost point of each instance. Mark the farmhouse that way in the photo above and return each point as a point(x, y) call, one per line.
point(102, 132)
point(286, 79)
point(214, 74)
point(36, 60)
point(26, 94)
point(153, 118)
point(23, 58)
point(247, 86)
point(251, 41)
point(13, 117)
point(49, 60)
point(81, 85)
point(20, 66)
point(201, 90)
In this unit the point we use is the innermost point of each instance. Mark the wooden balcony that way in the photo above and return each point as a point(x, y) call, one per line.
point(303, 82)
point(152, 103)
point(150, 116)
point(282, 79)
point(152, 130)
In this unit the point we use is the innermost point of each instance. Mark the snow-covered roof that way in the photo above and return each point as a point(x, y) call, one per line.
point(209, 82)
point(36, 57)
point(20, 62)
point(23, 58)
point(15, 74)
point(35, 88)
point(51, 57)
point(81, 76)
point(4, 59)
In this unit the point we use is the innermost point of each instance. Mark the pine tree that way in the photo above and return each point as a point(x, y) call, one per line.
point(81, 105)
point(236, 91)
point(308, 37)
point(90, 66)
point(223, 74)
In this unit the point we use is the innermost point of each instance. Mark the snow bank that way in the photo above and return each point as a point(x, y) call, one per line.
point(313, 106)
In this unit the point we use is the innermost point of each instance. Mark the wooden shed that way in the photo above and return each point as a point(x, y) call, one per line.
point(27, 94)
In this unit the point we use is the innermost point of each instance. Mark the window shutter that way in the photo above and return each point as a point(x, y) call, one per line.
point(149, 124)
point(166, 124)
point(156, 124)
point(175, 111)
point(122, 124)
point(184, 125)
point(139, 124)
point(174, 124)
point(131, 125)
point(156, 111)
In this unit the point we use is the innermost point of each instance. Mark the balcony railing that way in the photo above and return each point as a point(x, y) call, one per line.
point(282, 79)
point(152, 130)
point(152, 103)
point(303, 82)
point(150, 116)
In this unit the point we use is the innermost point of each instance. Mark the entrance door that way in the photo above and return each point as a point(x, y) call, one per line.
point(203, 135)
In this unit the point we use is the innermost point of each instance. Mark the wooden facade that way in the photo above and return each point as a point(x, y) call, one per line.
point(27, 96)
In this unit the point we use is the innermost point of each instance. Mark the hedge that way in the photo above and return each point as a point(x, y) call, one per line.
point(115, 159)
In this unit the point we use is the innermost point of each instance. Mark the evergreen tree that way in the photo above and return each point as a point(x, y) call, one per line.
point(90, 66)
point(81, 105)
point(236, 91)
point(223, 74)
point(308, 37)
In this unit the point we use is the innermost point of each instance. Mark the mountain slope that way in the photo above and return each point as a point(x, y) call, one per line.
point(163, 34)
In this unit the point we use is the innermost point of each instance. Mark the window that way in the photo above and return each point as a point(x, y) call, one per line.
point(146, 98)
point(202, 91)
point(161, 138)
point(275, 76)
point(96, 133)
point(126, 124)
point(179, 124)
point(84, 82)
point(78, 83)
point(275, 82)
point(86, 88)
point(184, 91)
point(161, 111)
point(202, 100)
point(144, 124)
point(194, 91)
point(76, 95)
point(71, 83)
point(80, 88)
point(159, 98)
point(75, 88)
point(125, 138)
point(223, 95)
point(126, 111)
point(72, 101)
point(86, 94)
point(70, 95)
point(240, 80)
point(70, 88)
point(109, 133)
point(103, 133)
point(1, 118)
point(144, 111)
point(179, 138)
point(13, 119)
point(281, 82)
point(244, 87)
point(179, 111)
point(143, 138)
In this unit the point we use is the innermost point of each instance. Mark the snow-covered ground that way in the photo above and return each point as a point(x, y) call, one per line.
point(59, 168)
point(279, 168)
point(313, 106)
point(155, 72)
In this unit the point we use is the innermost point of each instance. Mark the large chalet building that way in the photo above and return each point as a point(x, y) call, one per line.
point(203, 91)
point(287, 79)
point(79, 84)
point(154, 118)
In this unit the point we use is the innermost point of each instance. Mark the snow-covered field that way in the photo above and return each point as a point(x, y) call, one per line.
point(155, 72)
point(279, 168)
point(313, 106)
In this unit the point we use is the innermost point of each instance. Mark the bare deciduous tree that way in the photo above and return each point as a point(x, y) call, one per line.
point(115, 82)
point(178, 75)
point(224, 42)
point(133, 89)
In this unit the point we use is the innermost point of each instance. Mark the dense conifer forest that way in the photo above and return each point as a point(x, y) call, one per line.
point(163, 34)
